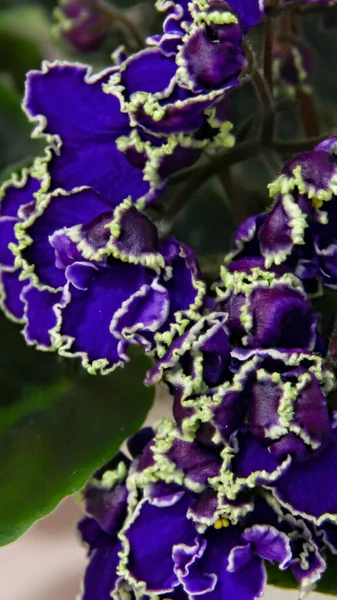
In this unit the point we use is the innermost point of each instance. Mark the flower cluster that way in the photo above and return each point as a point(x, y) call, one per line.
point(299, 231)
point(200, 503)
point(213, 495)
point(80, 266)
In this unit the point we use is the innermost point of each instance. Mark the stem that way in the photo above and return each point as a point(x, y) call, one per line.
point(265, 98)
point(268, 54)
point(308, 113)
point(297, 146)
point(246, 150)
point(132, 30)
point(225, 177)
point(179, 201)
point(199, 175)
point(115, 15)
point(331, 355)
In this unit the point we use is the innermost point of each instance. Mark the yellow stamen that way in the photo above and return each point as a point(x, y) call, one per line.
point(317, 203)
point(218, 524)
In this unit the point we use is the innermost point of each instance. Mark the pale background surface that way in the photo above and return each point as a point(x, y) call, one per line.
point(47, 562)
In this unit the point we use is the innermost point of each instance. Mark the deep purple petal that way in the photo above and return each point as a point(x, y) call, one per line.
point(60, 212)
point(152, 537)
point(304, 486)
point(88, 129)
point(10, 293)
point(40, 315)
point(101, 577)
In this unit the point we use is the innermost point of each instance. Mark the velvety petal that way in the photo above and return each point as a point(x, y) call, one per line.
point(316, 474)
point(10, 294)
point(83, 24)
point(91, 534)
point(62, 210)
point(88, 130)
point(101, 577)
point(147, 312)
point(139, 440)
point(269, 543)
point(185, 285)
point(250, 12)
point(197, 462)
point(210, 573)
point(17, 195)
point(282, 317)
point(147, 71)
point(316, 169)
point(254, 459)
point(206, 55)
point(7, 236)
point(87, 314)
point(40, 315)
point(164, 527)
point(107, 506)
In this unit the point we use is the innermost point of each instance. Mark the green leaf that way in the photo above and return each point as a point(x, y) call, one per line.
point(57, 425)
point(282, 579)
point(328, 583)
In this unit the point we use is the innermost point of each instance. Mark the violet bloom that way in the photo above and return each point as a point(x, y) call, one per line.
point(96, 277)
point(83, 23)
point(174, 86)
point(86, 130)
point(299, 231)
point(15, 207)
point(200, 543)
point(276, 419)
point(292, 66)
point(105, 499)
point(195, 359)
point(266, 309)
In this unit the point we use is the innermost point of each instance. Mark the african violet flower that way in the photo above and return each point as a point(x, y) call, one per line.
point(299, 231)
point(266, 308)
point(95, 277)
point(15, 206)
point(150, 532)
point(273, 425)
point(173, 86)
point(255, 308)
point(292, 66)
point(83, 23)
point(92, 141)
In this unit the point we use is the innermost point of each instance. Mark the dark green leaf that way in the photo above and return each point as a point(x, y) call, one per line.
point(57, 426)
point(328, 583)
point(282, 579)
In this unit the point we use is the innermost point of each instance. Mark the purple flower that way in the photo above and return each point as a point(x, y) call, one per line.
point(266, 309)
point(83, 23)
point(144, 515)
point(198, 357)
point(15, 206)
point(105, 498)
point(83, 125)
point(299, 230)
point(275, 418)
point(292, 66)
point(174, 86)
point(96, 278)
